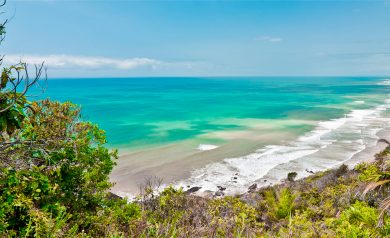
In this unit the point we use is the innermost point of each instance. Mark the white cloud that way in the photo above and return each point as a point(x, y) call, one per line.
point(269, 39)
point(86, 62)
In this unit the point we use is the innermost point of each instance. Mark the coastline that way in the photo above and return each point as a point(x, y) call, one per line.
point(173, 171)
point(366, 155)
point(255, 159)
point(347, 140)
point(176, 162)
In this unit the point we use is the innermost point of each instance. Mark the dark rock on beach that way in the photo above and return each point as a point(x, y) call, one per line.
point(193, 190)
point(252, 187)
point(113, 196)
point(221, 188)
point(384, 141)
point(309, 171)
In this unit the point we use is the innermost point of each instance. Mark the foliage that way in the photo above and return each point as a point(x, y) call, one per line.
point(12, 103)
point(54, 182)
point(54, 167)
point(359, 220)
point(55, 172)
point(230, 213)
point(291, 176)
point(280, 204)
point(369, 172)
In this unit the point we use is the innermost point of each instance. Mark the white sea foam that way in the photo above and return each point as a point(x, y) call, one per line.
point(128, 196)
point(330, 144)
point(359, 102)
point(204, 147)
point(385, 82)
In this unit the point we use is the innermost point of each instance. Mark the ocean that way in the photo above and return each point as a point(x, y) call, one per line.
point(263, 125)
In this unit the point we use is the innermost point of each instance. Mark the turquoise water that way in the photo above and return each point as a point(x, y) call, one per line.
point(147, 112)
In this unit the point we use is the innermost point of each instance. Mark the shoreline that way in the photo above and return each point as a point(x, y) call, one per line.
point(176, 162)
point(239, 164)
point(366, 155)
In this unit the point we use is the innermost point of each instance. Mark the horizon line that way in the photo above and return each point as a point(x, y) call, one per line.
point(208, 76)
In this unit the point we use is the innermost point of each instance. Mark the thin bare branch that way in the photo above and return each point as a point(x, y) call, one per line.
point(22, 76)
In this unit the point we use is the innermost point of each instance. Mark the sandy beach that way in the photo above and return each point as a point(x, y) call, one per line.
point(176, 162)
point(262, 153)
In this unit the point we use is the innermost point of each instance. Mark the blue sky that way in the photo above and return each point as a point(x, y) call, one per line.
point(200, 38)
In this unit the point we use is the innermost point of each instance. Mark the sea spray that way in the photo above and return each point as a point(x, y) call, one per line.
point(330, 144)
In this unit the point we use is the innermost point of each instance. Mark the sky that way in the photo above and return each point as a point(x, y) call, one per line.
point(119, 38)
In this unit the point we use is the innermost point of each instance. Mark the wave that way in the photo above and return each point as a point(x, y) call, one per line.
point(205, 147)
point(330, 144)
point(385, 82)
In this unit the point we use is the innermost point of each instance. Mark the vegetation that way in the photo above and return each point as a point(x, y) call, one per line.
point(54, 172)
point(291, 176)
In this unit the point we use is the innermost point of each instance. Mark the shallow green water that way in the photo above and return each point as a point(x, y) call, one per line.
point(147, 112)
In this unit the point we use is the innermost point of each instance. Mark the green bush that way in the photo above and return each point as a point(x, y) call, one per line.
point(54, 182)
point(360, 220)
point(369, 172)
point(280, 204)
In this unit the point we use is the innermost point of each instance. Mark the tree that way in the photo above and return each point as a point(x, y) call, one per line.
point(14, 83)
point(56, 163)
point(54, 167)
point(291, 176)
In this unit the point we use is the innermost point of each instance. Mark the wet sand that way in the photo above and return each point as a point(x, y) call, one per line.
point(368, 154)
point(175, 162)
point(305, 168)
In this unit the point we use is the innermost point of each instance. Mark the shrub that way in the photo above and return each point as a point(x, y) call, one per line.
point(368, 172)
point(360, 220)
point(291, 176)
point(280, 204)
